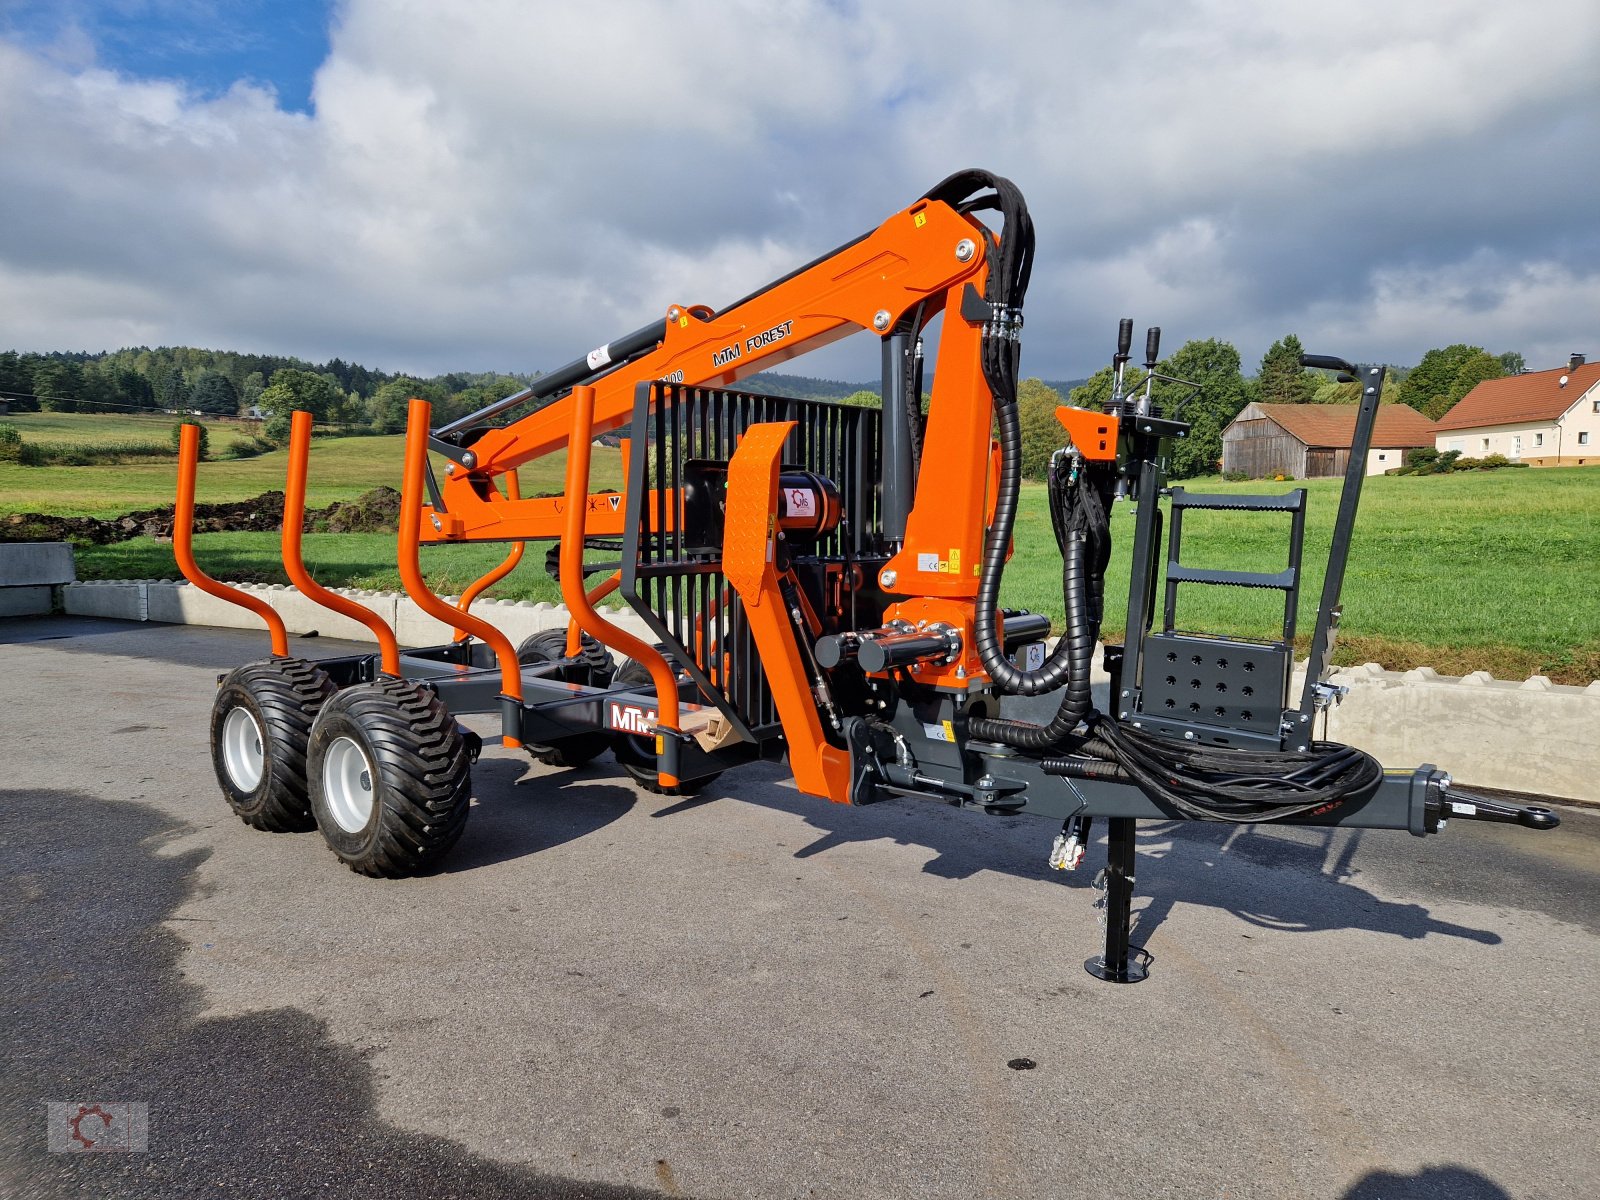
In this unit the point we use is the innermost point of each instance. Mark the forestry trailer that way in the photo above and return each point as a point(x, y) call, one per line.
point(822, 584)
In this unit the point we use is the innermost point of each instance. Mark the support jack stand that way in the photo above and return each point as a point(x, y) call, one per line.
point(1121, 962)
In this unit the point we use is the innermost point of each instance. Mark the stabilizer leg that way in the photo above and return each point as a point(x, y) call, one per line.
point(1121, 962)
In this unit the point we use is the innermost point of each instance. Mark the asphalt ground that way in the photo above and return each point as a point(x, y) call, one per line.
point(752, 993)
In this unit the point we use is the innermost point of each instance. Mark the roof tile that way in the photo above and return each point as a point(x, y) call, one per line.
point(1536, 396)
point(1334, 425)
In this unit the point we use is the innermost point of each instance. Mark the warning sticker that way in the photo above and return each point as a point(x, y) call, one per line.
point(943, 732)
point(599, 358)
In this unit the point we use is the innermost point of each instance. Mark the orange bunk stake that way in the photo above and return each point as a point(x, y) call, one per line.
point(294, 513)
point(495, 575)
point(183, 545)
point(418, 417)
point(594, 595)
point(577, 600)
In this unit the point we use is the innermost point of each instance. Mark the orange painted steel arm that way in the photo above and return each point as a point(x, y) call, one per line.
point(183, 545)
point(418, 416)
point(294, 515)
point(494, 576)
point(922, 257)
point(577, 600)
point(749, 550)
point(594, 595)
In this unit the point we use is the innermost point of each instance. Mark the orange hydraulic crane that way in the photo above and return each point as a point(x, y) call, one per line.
point(822, 582)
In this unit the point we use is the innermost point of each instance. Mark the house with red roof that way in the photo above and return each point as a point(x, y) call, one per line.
point(1542, 418)
point(1309, 441)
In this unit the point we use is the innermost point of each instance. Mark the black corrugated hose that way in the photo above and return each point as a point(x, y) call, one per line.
point(1218, 784)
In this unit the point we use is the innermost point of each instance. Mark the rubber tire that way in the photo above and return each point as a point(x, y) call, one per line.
point(638, 754)
point(550, 645)
point(421, 774)
point(283, 695)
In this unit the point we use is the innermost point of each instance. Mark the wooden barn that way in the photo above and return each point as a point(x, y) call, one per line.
point(1308, 441)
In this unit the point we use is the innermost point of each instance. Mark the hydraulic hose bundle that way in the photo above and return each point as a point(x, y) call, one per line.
point(1081, 526)
point(1220, 784)
point(1241, 786)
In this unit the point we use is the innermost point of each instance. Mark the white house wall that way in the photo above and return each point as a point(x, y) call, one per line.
point(1572, 440)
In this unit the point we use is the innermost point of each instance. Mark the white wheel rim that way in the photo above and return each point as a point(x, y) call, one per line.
point(242, 755)
point(347, 784)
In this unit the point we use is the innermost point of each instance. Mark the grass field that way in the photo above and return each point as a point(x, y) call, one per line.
point(341, 469)
point(102, 428)
point(1497, 571)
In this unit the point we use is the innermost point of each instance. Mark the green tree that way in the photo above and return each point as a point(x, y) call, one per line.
point(390, 402)
point(172, 389)
point(1512, 363)
point(863, 399)
point(1042, 434)
point(213, 393)
point(250, 392)
point(1095, 391)
point(58, 382)
point(1427, 387)
point(294, 389)
point(205, 438)
point(1473, 371)
point(16, 383)
point(1214, 365)
point(276, 427)
point(1282, 380)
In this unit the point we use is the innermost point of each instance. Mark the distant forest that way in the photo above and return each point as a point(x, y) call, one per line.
point(229, 383)
point(225, 383)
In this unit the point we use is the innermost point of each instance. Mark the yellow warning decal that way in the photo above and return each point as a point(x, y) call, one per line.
point(683, 321)
point(955, 560)
point(661, 744)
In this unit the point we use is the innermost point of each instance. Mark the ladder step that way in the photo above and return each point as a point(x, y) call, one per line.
point(1294, 501)
point(1283, 581)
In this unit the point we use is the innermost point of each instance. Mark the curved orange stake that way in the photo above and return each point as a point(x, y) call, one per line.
point(294, 515)
point(513, 492)
point(417, 418)
point(183, 545)
point(577, 600)
point(595, 594)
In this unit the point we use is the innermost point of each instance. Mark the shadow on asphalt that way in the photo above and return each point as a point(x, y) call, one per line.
point(263, 1104)
point(519, 813)
point(1430, 1183)
point(1188, 862)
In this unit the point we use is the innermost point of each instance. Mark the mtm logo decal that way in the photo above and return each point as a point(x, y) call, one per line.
point(629, 718)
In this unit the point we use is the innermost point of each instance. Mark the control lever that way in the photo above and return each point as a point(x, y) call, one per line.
point(1329, 362)
point(1124, 341)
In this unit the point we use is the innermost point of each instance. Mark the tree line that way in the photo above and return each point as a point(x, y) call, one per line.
point(226, 383)
point(183, 379)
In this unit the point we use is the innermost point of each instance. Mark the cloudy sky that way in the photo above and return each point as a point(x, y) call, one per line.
point(427, 185)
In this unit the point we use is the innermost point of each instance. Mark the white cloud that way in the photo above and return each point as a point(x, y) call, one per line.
point(492, 183)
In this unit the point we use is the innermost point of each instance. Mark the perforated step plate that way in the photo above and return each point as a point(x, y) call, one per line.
point(1215, 682)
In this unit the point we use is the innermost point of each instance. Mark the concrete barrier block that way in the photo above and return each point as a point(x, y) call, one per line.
point(27, 601)
point(108, 600)
point(1478, 732)
point(185, 604)
point(301, 615)
point(31, 564)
